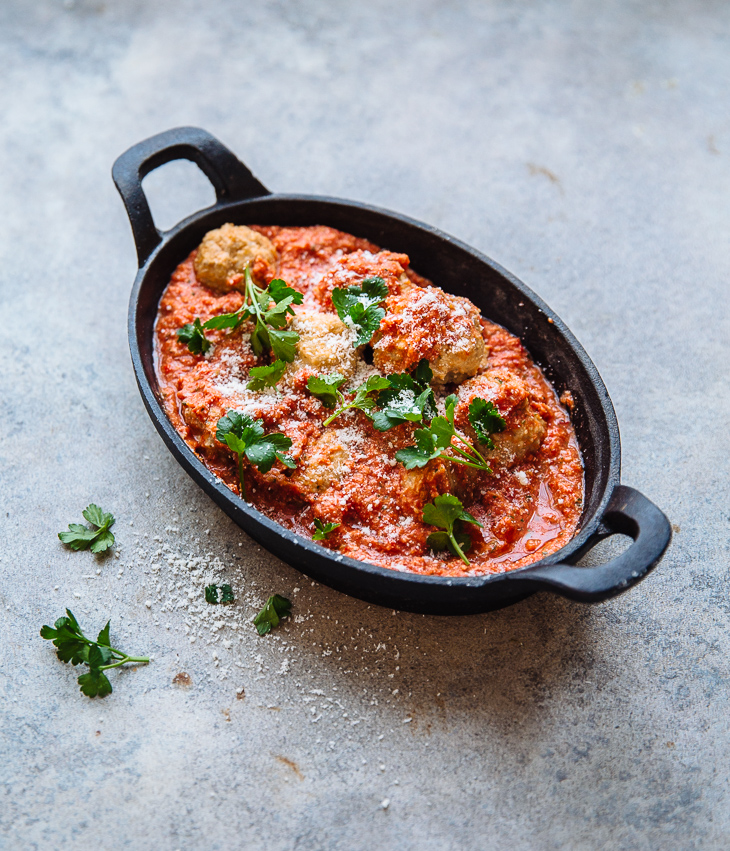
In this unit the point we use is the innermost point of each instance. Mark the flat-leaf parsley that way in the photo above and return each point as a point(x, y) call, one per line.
point(276, 608)
point(97, 540)
point(245, 436)
point(74, 647)
point(359, 307)
point(447, 512)
point(322, 530)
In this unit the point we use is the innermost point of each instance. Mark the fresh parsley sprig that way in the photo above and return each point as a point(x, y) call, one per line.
point(323, 529)
point(97, 540)
point(193, 335)
point(74, 647)
point(359, 307)
point(246, 437)
point(266, 376)
point(271, 320)
point(276, 608)
point(408, 399)
point(486, 420)
point(327, 389)
point(434, 441)
point(447, 513)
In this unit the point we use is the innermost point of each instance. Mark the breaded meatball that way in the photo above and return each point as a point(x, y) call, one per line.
point(224, 254)
point(525, 429)
point(325, 343)
point(425, 322)
point(324, 462)
point(352, 269)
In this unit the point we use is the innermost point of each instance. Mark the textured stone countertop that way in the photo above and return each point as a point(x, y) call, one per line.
point(585, 147)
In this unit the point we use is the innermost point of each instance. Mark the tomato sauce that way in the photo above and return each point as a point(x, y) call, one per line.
point(346, 472)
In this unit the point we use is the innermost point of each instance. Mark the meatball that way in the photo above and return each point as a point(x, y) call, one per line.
point(525, 428)
point(325, 343)
point(224, 254)
point(323, 464)
point(352, 269)
point(425, 322)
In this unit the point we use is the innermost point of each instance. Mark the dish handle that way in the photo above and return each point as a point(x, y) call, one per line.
point(231, 179)
point(628, 513)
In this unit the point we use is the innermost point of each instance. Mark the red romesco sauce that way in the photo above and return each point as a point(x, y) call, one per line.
point(347, 472)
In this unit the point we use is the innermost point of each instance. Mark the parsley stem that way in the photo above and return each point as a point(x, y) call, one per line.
point(339, 410)
point(458, 549)
point(240, 475)
point(250, 287)
point(141, 659)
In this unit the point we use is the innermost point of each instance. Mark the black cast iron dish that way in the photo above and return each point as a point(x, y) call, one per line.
point(609, 506)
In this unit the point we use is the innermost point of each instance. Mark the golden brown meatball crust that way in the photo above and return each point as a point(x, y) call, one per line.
point(225, 252)
point(525, 428)
point(425, 322)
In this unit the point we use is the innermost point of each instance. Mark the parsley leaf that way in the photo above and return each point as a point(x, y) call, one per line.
point(359, 307)
point(420, 454)
point(439, 437)
point(408, 399)
point(74, 647)
point(257, 303)
point(276, 607)
point(211, 594)
point(485, 420)
point(447, 512)
point(245, 436)
point(323, 529)
point(326, 388)
point(97, 540)
point(364, 399)
point(266, 376)
point(194, 337)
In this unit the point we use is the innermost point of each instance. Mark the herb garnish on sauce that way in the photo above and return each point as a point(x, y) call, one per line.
point(245, 436)
point(271, 320)
point(447, 512)
point(359, 307)
point(434, 441)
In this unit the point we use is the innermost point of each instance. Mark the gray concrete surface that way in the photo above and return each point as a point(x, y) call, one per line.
point(586, 147)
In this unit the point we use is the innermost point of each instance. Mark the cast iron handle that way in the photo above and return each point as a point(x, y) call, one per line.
point(231, 179)
point(629, 513)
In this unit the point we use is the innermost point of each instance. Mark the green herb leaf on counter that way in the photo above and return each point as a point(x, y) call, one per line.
point(364, 399)
point(408, 399)
point(193, 336)
point(97, 540)
point(447, 512)
point(266, 376)
point(74, 647)
point(276, 608)
point(326, 388)
point(226, 595)
point(359, 307)
point(323, 529)
point(246, 437)
point(485, 420)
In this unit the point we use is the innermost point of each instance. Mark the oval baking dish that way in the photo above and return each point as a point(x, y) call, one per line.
point(609, 507)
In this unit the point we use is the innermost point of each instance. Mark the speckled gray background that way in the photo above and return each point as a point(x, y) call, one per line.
point(583, 145)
